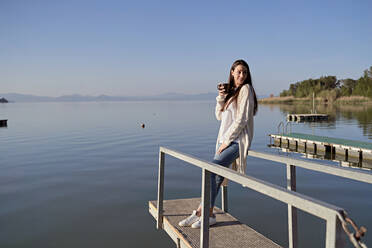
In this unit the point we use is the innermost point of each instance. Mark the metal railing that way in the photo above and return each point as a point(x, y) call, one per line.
point(354, 174)
point(333, 215)
point(291, 164)
point(281, 124)
point(290, 127)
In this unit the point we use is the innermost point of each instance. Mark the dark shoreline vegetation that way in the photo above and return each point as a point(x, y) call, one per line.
point(3, 100)
point(328, 89)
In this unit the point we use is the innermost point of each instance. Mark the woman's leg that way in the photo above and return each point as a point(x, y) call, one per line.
point(225, 158)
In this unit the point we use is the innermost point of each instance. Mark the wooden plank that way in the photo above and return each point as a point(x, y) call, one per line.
point(169, 229)
point(228, 232)
point(306, 117)
point(352, 144)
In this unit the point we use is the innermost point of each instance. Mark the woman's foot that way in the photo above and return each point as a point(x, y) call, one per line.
point(189, 220)
point(197, 224)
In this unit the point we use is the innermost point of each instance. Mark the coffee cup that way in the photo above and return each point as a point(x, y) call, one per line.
point(223, 86)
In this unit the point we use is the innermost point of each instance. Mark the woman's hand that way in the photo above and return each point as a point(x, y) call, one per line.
point(221, 91)
point(222, 147)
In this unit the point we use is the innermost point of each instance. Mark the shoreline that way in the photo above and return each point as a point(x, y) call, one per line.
point(318, 100)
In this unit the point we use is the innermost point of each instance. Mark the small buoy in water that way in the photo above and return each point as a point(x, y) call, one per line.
point(143, 125)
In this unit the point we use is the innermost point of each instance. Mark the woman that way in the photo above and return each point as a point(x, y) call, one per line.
point(235, 108)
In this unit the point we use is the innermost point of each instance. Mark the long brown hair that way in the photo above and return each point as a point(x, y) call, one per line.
point(233, 92)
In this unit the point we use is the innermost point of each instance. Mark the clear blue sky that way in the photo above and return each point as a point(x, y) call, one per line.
point(150, 47)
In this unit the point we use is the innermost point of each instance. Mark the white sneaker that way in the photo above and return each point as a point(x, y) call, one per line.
point(189, 220)
point(197, 224)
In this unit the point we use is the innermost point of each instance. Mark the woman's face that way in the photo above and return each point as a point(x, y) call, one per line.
point(240, 74)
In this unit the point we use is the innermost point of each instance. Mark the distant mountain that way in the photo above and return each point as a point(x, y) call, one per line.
point(14, 97)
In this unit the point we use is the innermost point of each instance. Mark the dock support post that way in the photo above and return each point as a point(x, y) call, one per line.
point(159, 222)
point(292, 211)
point(224, 199)
point(333, 154)
point(206, 199)
point(360, 158)
point(335, 235)
point(346, 155)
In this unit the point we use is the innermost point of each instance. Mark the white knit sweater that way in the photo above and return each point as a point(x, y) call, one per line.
point(242, 128)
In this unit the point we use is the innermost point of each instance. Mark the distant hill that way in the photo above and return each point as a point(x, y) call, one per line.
point(3, 100)
point(14, 97)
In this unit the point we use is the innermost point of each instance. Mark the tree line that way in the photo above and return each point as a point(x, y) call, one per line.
point(330, 86)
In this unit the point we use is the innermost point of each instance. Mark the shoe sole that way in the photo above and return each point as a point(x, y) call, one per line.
point(186, 225)
point(200, 226)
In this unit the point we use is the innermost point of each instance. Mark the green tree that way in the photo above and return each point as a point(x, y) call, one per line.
point(347, 86)
point(330, 85)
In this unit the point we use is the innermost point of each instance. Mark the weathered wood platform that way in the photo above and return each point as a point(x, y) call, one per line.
point(307, 117)
point(228, 232)
point(326, 155)
point(314, 144)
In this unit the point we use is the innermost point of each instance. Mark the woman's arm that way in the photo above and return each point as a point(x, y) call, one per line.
point(220, 101)
point(242, 118)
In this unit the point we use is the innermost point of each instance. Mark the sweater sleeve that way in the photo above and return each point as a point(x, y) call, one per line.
point(219, 104)
point(241, 119)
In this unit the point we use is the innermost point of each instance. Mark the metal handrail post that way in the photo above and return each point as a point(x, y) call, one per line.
point(206, 199)
point(290, 127)
point(292, 211)
point(224, 199)
point(335, 235)
point(159, 222)
point(281, 123)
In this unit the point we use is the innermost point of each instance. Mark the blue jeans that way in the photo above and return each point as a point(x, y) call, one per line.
point(225, 158)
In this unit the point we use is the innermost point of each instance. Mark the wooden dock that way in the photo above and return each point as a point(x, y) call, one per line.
point(307, 117)
point(350, 149)
point(326, 155)
point(3, 123)
point(227, 232)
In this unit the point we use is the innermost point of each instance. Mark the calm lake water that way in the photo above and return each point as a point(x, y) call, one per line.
point(81, 174)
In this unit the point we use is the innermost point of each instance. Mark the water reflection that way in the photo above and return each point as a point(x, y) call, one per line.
point(362, 114)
